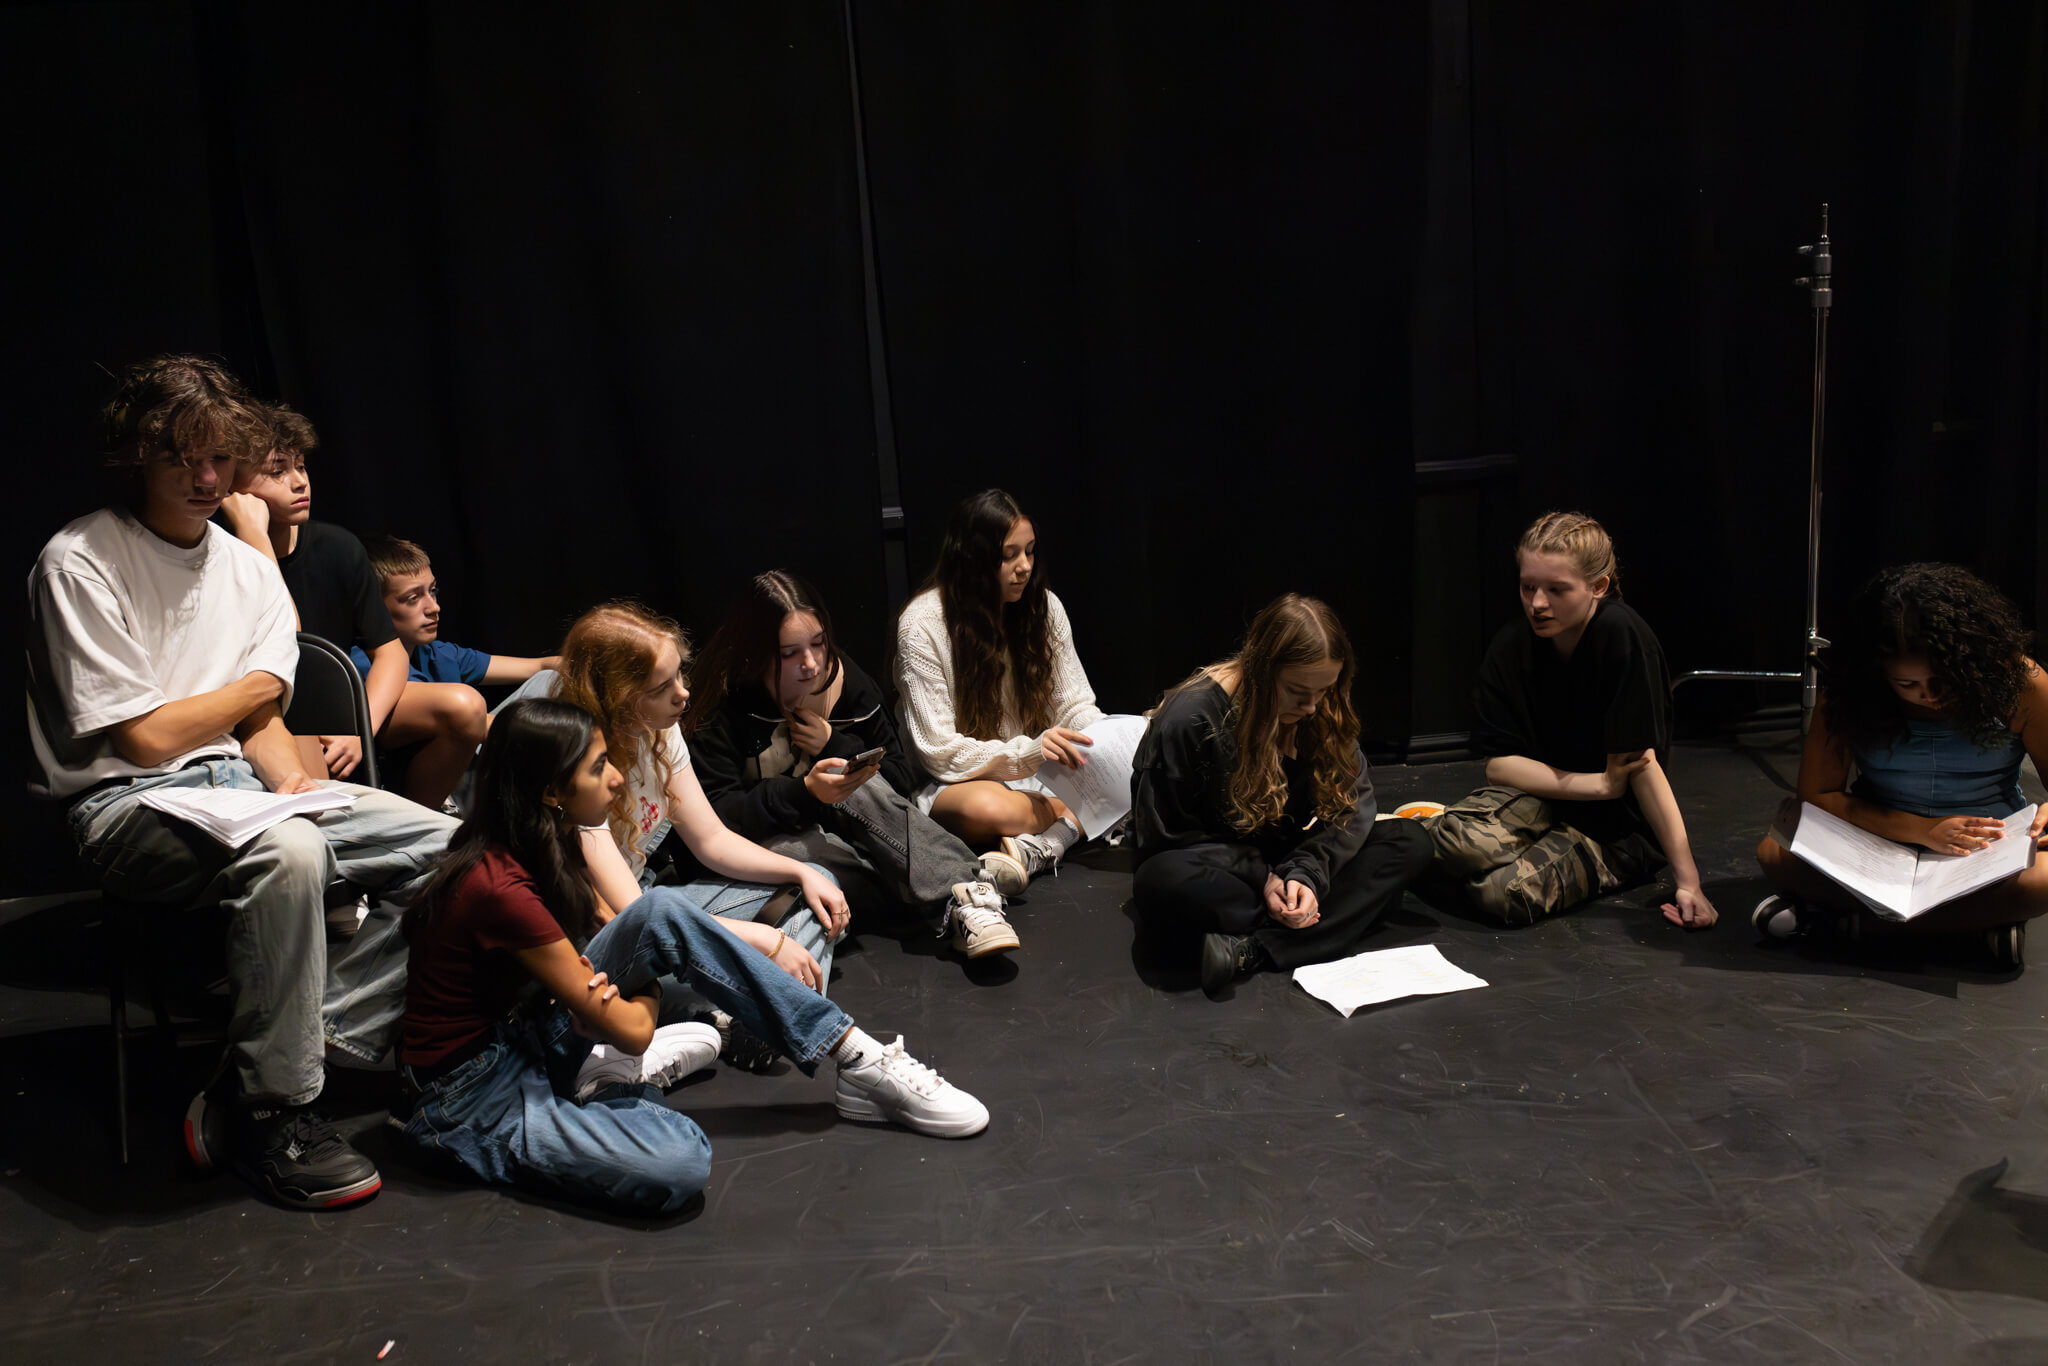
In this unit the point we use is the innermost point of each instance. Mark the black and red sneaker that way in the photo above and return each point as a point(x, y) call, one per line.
point(292, 1155)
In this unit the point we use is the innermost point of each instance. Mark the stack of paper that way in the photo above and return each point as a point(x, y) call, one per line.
point(1900, 881)
point(1384, 975)
point(235, 816)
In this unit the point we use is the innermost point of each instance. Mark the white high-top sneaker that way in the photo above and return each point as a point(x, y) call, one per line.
point(674, 1053)
point(893, 1086)
point(978, 923)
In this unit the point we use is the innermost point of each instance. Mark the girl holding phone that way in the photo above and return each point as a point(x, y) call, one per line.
point(796, 750)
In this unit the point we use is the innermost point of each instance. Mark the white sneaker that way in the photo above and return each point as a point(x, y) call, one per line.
point(674, 1053)
point(896, 1087)
point(1006, 871)
point(1031, 853)
point(979, 925)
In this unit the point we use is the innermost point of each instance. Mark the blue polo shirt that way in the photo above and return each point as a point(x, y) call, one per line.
point(437, 661)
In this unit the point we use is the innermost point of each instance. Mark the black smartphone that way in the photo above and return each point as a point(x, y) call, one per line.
point(871, 757)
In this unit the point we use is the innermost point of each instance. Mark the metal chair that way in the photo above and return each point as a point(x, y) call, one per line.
point(329, 699)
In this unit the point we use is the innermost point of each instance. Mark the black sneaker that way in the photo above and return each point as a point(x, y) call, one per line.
point(741, 1048)
point(293, 1156)
point(1778, 916)
point(2008, 945)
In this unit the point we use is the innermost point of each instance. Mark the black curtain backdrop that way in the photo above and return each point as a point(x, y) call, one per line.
point(1617, 192)
point(1151, 275)
point(1302, 296)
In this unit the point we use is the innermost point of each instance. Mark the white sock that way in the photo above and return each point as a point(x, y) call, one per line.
point(857, 1049)
point(1059, 837)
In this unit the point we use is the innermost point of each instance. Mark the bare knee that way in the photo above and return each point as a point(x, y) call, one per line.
point(452, 709)
point(468, 718)
point(983, 811)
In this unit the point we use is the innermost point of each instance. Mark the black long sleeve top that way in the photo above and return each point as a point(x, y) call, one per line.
point(1180, 794)
point(730, 748)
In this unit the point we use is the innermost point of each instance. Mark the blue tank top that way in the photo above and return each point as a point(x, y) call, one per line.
point(1936, 770)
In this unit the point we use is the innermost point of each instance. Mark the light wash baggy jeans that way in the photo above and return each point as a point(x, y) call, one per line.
point(507, 1114)
point(289, 999)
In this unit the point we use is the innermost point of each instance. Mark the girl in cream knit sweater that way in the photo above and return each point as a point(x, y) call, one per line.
point(990, 687)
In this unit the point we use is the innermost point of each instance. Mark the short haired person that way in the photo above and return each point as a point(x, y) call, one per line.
point(412, 598)
point(324, 569)
point(161, 655)
point(341, 599)
point(1254, 816)
point(1574, 716)
point(990, 687)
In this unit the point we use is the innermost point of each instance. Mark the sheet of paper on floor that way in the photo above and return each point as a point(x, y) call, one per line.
point(1384, 975)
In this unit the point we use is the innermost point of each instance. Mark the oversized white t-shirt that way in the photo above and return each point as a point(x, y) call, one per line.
point(120, 622)
point(648, 800)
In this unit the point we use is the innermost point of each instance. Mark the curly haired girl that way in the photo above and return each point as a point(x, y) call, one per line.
point(1928, 695)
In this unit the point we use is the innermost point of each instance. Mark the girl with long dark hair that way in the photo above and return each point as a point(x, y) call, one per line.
point(626, 666)
point(1930, 699)
point(1574, 718)
point(1253, 810)
point(529, 1050)
point(780, 714)
point(990, 687)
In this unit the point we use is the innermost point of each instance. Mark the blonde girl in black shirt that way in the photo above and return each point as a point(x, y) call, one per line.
point(1574, 716)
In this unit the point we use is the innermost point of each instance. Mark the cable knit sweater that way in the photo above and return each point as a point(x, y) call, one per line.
point(924, 682)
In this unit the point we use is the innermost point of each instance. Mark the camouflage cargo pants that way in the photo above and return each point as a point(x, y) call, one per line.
point(1518, 863)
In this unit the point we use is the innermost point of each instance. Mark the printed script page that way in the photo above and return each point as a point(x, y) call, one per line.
point(1099, 793)
point(1876, 869)
point(1944, 877)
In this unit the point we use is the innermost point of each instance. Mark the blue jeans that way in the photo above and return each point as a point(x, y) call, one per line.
point(290, 998)
point(747, 901)
point(507, 1114)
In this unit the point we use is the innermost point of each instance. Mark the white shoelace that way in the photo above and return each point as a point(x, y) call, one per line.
point(984, 907)
point(896, 1063)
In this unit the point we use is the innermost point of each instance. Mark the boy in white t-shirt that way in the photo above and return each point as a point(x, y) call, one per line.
point(161, 654)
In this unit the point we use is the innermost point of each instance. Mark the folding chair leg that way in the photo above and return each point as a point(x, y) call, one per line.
point(117, 1005)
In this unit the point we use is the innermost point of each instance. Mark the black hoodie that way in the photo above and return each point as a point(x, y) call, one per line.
point(728, 749)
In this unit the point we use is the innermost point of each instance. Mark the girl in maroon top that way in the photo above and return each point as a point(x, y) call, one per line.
point(529, 1051)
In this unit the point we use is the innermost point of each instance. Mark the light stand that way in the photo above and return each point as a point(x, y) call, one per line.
point(1820, 293)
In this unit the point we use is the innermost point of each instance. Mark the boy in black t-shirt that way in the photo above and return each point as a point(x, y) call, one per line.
point(340, 597)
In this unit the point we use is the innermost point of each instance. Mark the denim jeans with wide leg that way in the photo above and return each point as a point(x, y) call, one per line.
point(507, 1114)
point(289, 998)
point(754, 900)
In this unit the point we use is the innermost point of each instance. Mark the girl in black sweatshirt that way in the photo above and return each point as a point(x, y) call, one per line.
point(779, 725)
point(1254, 812)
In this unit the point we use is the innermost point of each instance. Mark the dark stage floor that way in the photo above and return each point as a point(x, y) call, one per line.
point(1636, 1145)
